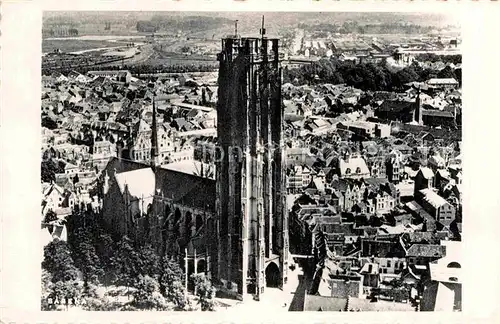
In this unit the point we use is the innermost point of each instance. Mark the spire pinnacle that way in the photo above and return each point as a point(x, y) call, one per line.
point(262, 29)
point(154, 137)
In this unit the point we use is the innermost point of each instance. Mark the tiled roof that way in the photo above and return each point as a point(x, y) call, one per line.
point(396, 106)
point(190, 190)
point(333, 304)
point(374, 268)
point(436, 81)
point(140, 183)
point(433, 198)
point(420, 237)
point(427, 173)
point(437, 113)
point(353, 164)
point(426, 250)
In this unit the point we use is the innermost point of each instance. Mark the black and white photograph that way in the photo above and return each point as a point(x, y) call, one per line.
point(251, 161)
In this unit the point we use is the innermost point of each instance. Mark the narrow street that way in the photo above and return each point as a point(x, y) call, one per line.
point(304, 282)
point(297, 303)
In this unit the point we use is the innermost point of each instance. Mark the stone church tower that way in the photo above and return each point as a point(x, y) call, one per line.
point(250, 234)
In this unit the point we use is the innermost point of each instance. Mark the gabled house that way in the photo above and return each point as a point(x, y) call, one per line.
point(437, 206)
point(353, 167)
point(394, 166)
point(423, 254)
point(424, 179)
point(298, 177)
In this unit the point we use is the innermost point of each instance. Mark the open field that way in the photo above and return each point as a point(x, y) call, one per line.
point(172, 58)
point(73, 45)
point(109, 38)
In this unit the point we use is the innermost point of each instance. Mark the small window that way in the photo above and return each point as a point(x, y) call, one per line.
point(454, 265)
point(348, 171)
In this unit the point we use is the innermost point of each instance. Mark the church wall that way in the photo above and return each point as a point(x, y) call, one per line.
point(114, 211)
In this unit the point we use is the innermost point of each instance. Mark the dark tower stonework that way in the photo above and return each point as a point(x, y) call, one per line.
point(250, 239)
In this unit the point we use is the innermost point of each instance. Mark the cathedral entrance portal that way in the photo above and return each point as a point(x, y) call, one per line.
point(273, 275)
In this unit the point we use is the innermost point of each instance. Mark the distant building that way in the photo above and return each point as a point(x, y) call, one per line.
point(422, 254)
point(394, 166)
point(444, 83)
point(141, 143)
point(439, 118)
point(353, 166)
point(298, 177)
point(424, 179)
point(396, 110)
point(332, 281)
point(437, 206)
point(102, 151)
point(118, 75)
point(366, 129)
point(403, 58)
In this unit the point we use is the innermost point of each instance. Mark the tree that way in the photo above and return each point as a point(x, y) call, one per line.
point(398, 294)
point(58, 262)
point(147, 295)
point(125, 263)
point(205, 292)
point(98, 304)
point(149, 262)
point(171, 284)
point(47, 303)
point(104, 247)
point(67, 292)
point(87, 261)
point(49, 169)
point(50, 217)
point(49, 123)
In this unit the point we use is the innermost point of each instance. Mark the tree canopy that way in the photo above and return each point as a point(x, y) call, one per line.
point(58, 262)
point(171, 284)
point(49, 168)
point(364, 76)
point(204, 291)
point(147, 295)
point(155, 282)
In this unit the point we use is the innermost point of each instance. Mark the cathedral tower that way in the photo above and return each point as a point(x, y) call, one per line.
point(250, 238)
